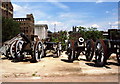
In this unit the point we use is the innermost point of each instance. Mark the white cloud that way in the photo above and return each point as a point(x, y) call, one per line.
point(114, 27)
point(49, 22)
point(41, 22)
point(99, 1)
point(116, 23)
point(17, 7)
point(73, 16)
point(63, 0)
point(95, 25)
point(109, 23)
point(63, 20)
point(107, 12)
point(66, 15)
point(58, 4)
point(20, 11)
point(59, 25)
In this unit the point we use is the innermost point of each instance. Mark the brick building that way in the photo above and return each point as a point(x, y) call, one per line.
point(26, 24)
point(6, 8)
point(41, 30)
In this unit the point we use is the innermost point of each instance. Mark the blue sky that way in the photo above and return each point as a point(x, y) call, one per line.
point(102, 15)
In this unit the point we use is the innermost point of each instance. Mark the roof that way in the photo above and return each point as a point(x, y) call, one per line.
point(42, 25)
point(21, 18)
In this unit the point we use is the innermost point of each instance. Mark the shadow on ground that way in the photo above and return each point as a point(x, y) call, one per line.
point(113, 63)
point(95, 65)
point(106, 66)
point(65, 60)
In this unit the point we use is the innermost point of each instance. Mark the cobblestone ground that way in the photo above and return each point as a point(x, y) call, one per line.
point(55, 69)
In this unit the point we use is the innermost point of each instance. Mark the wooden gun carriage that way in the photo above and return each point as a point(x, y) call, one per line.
point(55, 46)
point(21, 45)
point(77, 44)
point(104, 48)
point(17, 48)
point(6, 49)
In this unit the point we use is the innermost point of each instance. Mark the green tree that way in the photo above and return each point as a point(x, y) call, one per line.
point(93, 33)
point(81, 29)
point(10, 29)
point(60, 36)
point(90, 33)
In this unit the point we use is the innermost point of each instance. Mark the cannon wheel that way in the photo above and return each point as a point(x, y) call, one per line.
point(100, 53)
point(70, 52)
point(89, 49)
point(58, 50)
point(12, 49)
point(7, 54)
point(71, 55)
point(38, 51)
point(18, 49)
point(58, 53)
point(7, 50)
point(118, 58)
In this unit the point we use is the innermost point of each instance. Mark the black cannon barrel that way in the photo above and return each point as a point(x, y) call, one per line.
point(25, 37)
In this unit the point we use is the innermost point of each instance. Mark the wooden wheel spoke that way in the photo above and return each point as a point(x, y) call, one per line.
point(89, 49)
point(100, 52)
point(38, 51)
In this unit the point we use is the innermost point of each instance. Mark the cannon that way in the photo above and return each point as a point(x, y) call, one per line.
point(104, 48)
point(8, 47)
point(55, 46)
point(78, 45)
point(22, 44)
point(33, 47)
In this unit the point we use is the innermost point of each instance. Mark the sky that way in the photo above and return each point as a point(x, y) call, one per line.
point(65, 15)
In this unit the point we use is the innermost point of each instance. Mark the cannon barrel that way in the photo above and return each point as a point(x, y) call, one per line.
point(25, 37)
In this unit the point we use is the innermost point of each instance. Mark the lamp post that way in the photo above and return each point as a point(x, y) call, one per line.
point(54, 28)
